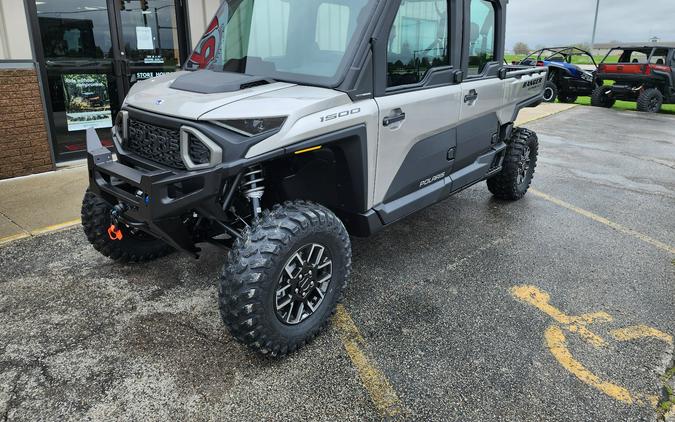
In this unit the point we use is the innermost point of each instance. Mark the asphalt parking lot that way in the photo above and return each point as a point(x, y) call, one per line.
point(558, 307)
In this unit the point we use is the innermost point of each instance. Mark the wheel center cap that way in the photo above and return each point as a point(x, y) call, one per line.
point(304, 282)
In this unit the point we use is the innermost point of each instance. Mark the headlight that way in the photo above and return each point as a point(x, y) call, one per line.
point(254, 127)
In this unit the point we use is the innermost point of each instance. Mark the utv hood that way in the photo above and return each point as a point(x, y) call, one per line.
point(205, 95)
point(190, 95)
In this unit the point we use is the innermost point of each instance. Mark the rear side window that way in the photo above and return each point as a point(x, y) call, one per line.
point(631, 56)
point(660, 56)
point(418, 41)
point(482, 35)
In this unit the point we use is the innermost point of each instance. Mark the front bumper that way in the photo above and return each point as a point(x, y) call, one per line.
point(156, 198)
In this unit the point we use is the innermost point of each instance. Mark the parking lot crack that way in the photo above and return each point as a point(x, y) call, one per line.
point(666, 406)
point(201, 334)
point(11, 403)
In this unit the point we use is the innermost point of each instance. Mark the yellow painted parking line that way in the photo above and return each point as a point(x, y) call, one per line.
point(616, 226)
point(376, 383)
point(40, 231)
point(56, 227)
point(13, 238)
point(556, 342)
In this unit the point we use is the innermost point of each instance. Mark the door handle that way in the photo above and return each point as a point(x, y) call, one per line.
point(471, 96)
point(389, 120)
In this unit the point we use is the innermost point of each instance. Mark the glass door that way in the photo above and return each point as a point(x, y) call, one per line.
point(92, 51)
point(150, 41)
point(78, 57)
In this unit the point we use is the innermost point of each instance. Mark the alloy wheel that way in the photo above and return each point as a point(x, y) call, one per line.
point(303, 283)
point(524, 166)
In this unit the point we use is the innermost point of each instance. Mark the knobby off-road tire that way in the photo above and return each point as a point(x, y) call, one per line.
point(261, 265)
point(650, 101)
point(600, 99)
point(567, 98)
point(520, 162)
point(139, 247)
point(550, 92)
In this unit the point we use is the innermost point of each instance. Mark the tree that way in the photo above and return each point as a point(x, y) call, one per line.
point(521, 48)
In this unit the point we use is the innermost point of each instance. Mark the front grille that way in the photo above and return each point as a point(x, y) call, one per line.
point(155, 143)
point(198, 152)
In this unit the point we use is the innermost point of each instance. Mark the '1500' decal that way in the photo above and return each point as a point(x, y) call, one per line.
point(340, 115)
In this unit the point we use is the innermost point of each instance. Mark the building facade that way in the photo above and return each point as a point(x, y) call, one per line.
point(66, 65)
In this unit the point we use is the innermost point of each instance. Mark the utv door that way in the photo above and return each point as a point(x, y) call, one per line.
point(419, 105)
point(482, 93)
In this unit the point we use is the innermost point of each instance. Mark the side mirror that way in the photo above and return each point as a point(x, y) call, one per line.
point(502, 73)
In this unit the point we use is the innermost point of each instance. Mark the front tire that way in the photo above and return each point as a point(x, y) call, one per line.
point(650, 101)
point(284, 278)
point(520, 162)
point(599, 98)
point(134, 246)
point(550, 92)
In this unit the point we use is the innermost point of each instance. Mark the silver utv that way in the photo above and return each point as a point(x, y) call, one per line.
point(297, 123)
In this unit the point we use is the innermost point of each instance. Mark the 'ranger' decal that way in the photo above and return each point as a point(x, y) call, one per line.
point(533, 83)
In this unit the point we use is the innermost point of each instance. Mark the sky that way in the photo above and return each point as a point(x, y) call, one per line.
point(550, 22)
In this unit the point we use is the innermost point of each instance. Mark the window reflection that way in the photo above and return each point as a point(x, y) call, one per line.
point(149, 34)
point(71, 30)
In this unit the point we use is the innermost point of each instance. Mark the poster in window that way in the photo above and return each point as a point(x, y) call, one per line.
point(87, 101)
point(144, 38)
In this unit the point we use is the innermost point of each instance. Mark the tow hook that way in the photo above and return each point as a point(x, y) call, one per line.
point(113, 231)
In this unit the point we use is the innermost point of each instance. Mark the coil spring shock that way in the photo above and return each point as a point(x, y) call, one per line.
point(252, 187)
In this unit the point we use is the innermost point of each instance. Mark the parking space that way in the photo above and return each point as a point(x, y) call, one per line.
point(557, 307)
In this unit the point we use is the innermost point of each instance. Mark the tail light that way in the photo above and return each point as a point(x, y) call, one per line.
point(602, 68)
point(540, 63)
point(646, 69)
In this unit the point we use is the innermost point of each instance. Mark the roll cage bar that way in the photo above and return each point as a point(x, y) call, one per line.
point(566, 52)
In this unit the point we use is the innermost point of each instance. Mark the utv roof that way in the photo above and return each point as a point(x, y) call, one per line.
point(638, 47)
point(562, 50)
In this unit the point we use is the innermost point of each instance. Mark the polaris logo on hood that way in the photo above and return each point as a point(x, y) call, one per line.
point(159, 101)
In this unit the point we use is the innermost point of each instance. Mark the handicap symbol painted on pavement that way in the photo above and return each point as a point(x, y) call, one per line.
point(578, 325)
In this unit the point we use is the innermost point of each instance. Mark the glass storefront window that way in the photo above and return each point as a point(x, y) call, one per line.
point(93, 51)
point(74, 29)
point(149, 33)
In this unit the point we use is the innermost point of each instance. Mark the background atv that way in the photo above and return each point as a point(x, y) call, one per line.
point(566, 80)
point(645, 75)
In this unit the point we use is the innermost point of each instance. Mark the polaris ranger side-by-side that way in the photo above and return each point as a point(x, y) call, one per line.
point(297, 123)
point(566, 80)
point(645, 75)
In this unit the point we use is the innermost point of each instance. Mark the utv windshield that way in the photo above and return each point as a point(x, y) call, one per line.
point(306, 41)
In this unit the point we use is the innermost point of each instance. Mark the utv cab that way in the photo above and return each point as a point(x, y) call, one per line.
point(566, 79)
point(645, 75)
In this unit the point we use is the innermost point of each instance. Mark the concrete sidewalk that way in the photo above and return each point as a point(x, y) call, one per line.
point(45, 202)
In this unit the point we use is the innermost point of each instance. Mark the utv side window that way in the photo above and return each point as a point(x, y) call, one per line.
point(418, 41)
point(482, 35)
point(660, 56)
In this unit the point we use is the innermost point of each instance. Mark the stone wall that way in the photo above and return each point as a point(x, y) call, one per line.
point(24, 144)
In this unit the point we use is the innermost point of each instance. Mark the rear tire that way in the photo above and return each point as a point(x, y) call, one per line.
point(567, 98)
point(650, 101)
point(134, 247)
point(599, 98)
point(272, 297)
point(520, 162)
point(550, 92)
